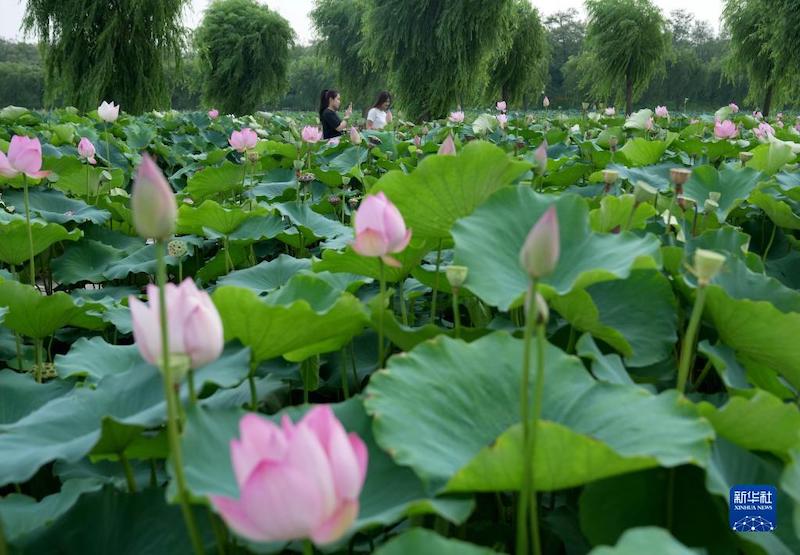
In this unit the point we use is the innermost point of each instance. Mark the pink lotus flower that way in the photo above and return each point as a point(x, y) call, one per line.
point(380, 229)
point(763, 130)
point(546, 102)
point(152, 202)
point(725, 129)
point(193, 323)
point(24, 156)
point(457, 117)
point(86, 151)
point(662, 112)
point(355, 136)
point(243, 140)
point(311, 134)
point(648, 125)
point(610, 111)
point(417, 141)
point(503, 120)
point(295, 481)
point(448, 147)
point(540, 156)
point(734, 108)
point(108, 112)
point(501, 106)
point(213, 113)
point(540, 252)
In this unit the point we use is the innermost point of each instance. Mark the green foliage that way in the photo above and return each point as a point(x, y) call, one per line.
point(626, 43)
point(21, 85)
point(518, 73)
point(308, 75)
point(785, 42)
point(565, 36)
point(340, 23)
point(96, 50)
point(244, 51)
point(436, 51)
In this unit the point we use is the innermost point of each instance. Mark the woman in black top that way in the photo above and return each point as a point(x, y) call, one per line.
point(332, 126)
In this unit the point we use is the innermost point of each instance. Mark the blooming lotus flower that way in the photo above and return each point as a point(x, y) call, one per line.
point(311, 134)
point(108, 112)
point(355, 136)
point(662, 112)
point(734, 108)
point(448, 146)
point(502, 120)
point(457, 117)
point(540, 156)
point(213, 113)
point(501, 106)
point(243, 140)
point(546, 102)
point(152, 201)
point(417, 141)
point(86, 151)
point(540, 252)
point(725, 129)
point(193, 324)
point(24, 156)
point(380, 229)
point(297, 480)
point(648, 125)
point(610, 111)
point(763, 130)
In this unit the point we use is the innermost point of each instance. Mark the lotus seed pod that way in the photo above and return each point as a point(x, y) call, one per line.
point(715, 196)
point(252, 156)
point(643, 192)
point(745, 157)
point(707, 264)
point(456, 275)
point(612, 144)
point(610, 176)
point(710, 206)
point(680, 176)
point(353, 202)
point(334, 200)
point(177, 248)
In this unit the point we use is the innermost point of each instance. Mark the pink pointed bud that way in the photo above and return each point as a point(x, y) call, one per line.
point(355, 136)
point(380, 228)
point(213, 113)
point(539, 254)
point(734, 108)
point(546, 102)
point(243, 140)
point(503, 120)
point(662, 112)
point(457, 117)
point(108, 112)
point(725, 129)
point(501, 106)
point(311, 134)
point(418, 141)
point(152, 202)
point(297, 480)
point(86, 151)
point(540, 156)
point(193, 324)
point(24, 156)
point(610, 111)
point(448, 147)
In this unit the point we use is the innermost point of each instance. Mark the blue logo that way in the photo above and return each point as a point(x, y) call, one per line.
point(753, 508)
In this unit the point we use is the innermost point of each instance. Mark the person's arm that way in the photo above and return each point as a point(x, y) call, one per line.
point(371, 118)
point(389, 116)
point(342, 126)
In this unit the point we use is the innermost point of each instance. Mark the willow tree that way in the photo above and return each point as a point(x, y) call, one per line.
point(752, 55)
point(340, 25)
point(626, 44)
point(785, 18)
point(519, 71)
point(244, 53)
point(96, 49)
point(436, 52)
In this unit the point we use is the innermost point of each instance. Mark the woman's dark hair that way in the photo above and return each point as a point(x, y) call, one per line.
point(384, 96)
point(325, 99)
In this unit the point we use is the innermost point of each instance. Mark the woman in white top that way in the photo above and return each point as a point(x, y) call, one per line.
point(379, 115)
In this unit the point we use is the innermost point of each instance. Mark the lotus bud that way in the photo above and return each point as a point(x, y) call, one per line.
point(540, 252)
point(448, 147)
point(707, 265)
point(542, 309)
point(612, 143)
point(643, 192)
point(546, 102)
point(585, 106)
point(355, 136)
point(456, 275)
point(540, 156)
point(153, 202)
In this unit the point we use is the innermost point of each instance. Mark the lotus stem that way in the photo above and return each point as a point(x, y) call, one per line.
point(380, 315)
point(126, 467)
point(687, 349)
point(31, 264)
point(436, 282)
point(456, 314)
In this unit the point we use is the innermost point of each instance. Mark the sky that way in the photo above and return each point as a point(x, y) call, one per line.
point(296, 12)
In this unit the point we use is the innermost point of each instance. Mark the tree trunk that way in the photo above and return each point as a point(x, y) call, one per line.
point(768, 100)
point(628, 93)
